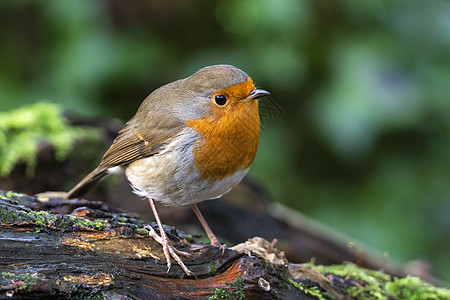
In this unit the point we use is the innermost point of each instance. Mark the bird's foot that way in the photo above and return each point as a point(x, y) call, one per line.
point(169, 250)
point(215, 243)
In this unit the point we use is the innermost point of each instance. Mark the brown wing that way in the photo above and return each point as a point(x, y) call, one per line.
point(131, 144)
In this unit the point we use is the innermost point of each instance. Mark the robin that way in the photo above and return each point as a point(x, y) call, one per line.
point(190, 140)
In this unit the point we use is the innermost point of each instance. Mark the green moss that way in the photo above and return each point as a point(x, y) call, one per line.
point(264, 263)
point(415, 289)
point(12, 194)
point(86, 223)
point(220, 294)
point(352, 270)
point(39, 217)
point(22, 129)
point(29, 280)
point(213, 268)
point(372, 289)
point(378, 285)
point(7, 275)
point(7, 216)
point(310, 290)
point(238, 285)
point(237, 293)
point(99, 224)
point(122, 219)
point(83, 293)
point(62, 223)
point(44, 219)
point(141, 230)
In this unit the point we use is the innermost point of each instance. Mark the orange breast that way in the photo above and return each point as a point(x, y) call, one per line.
point(229, 135)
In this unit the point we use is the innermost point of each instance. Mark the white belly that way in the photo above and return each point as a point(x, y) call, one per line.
point(171, 178)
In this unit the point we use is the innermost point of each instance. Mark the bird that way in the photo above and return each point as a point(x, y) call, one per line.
point(190, 140)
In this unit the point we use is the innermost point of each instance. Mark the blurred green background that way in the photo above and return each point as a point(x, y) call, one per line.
point(356, 133)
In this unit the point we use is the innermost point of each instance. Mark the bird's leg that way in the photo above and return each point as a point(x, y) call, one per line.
point(168, 249)
point(214, 241)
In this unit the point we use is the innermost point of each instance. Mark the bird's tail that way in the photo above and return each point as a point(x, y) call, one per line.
point(87, 183)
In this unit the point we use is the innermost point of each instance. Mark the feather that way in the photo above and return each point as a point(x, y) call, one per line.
point(130, 145)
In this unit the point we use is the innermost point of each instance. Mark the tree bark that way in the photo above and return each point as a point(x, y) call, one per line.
point(84, 249)
point(56, 248)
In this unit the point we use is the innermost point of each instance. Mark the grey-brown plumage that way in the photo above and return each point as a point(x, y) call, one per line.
point(159, 120)
point(130, 145)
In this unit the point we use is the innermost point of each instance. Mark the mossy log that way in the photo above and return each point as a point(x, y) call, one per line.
point(81, 249)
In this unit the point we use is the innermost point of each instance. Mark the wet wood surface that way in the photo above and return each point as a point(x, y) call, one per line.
point(51, 248)
point(79, 248)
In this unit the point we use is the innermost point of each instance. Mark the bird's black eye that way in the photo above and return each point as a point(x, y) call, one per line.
point(220, 100)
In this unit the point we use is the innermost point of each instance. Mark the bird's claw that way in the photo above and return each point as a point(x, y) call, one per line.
point(169, 251)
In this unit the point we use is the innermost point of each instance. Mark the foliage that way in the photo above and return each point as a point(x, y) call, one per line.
point(378, 285)
point(22, 130)
point(237, 293)
point(25, 281)
point(311, 291)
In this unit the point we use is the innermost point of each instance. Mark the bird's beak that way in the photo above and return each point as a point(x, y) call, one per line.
point(257, 93)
